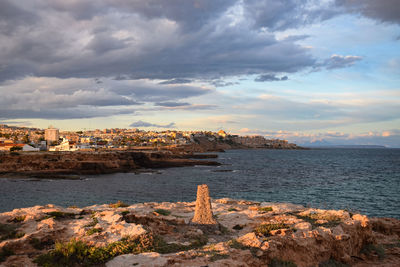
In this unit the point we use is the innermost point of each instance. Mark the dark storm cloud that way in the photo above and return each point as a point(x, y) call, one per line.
point(158, 93)
point(382, 10)
point(270, 78)
point(174, 40)
point(338, 61)
point(61, 114)
point(148, 124)
point(285, 14)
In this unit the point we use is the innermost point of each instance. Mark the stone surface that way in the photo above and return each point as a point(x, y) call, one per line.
point(302, 242)
point(150, 259)
point(203, 212)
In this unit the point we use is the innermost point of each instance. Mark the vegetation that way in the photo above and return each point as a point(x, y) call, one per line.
point(93, 223)
point(19, 219)
point(8, 231)
point(374, 249)
point(40, 244)
point(58, 215)
point(163, 212)
point(15, 148)
point(312, 218)
point(78, 253)
point(265, 229)
point(265, 209)
point(4, 253)
point(281, 263)
point(93, 231)
point(238, 227)
point(332, 263)
point(118, 204)
point(237, 245)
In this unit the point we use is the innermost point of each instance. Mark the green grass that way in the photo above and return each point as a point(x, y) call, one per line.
point(93, 231)
point(78, 253)
point(118, 204)
point(265, 209)
point(163, 212)
point(5, 253)
point(281, 263)
point(265, 229)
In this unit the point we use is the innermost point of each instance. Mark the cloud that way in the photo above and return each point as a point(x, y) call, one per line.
point(385, 11)
point(172, 104)
point(175, 41)
point(270, 78)
point(42, 97)
point(176, 81)
point(148, 124)
point(388, 138)
point(286, 14)
point(338, 61)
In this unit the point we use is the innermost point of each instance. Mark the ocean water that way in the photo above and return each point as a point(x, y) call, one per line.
point(361, 180)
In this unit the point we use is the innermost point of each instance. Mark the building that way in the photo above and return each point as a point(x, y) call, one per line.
point(51, 134)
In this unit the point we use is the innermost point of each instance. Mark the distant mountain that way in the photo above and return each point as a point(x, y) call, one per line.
point(343, 146)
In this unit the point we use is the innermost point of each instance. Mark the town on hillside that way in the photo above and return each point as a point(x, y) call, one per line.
point(14, 138)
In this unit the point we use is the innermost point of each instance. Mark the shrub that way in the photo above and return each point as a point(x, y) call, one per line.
point(237, 245)
point(118, 204)
point(265, 229)
point(312, 218)
point(8, 231)
point(4, 253)
point(281, 263)
point(58, 215)
point(93, 223)
point(332, 263)
point(264, 209)
point(163, 212)
point(374, 249)
point(40, 244)
point(93, 231)
point(19, 219)
point(78, 253)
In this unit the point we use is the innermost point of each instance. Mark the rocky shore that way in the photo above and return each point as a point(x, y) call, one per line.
point(65, 164)
point(162, 234)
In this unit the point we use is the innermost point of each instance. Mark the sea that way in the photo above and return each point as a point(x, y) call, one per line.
point(359, 180)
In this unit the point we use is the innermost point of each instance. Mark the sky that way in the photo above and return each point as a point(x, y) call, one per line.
point(310, 71)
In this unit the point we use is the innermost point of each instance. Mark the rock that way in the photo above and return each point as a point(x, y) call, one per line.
point(250, 240)
point(203, 213)
point(150, 259)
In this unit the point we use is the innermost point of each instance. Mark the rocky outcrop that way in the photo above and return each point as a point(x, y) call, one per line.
point(51, 164)
point(161, 234)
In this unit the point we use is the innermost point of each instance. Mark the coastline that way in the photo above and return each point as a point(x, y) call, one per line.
point(161, 234)
point(69, 165)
